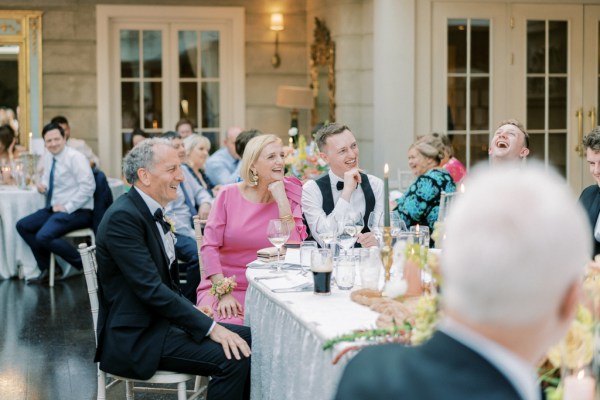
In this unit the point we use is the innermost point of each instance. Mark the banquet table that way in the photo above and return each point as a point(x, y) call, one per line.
point(288, 333)
point(15, 204)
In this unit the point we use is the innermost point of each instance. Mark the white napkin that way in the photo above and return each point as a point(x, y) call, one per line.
point(292, 256)
point(286, 281)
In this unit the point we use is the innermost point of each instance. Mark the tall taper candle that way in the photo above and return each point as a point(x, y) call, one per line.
point(386, 196)
point(29, 144)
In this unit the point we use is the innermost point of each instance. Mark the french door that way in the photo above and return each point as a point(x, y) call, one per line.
point(528, 62)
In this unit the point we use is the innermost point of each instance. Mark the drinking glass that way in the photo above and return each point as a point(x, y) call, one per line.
point(375, 225)
point(321, 265)
point(306, 249)
point(422, 233)
point(369, 269)
point(327, 229)
point(353, 224)
point(397, 224)
point(278, 232)
point(345, 270)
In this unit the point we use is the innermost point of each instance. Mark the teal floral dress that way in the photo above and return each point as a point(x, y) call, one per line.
point(421, 202)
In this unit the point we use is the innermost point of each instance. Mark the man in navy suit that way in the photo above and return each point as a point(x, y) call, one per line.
point(590, 197)
point(516, 243)
point(145, 323)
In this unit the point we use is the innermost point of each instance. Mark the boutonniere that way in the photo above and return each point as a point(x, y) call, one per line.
point(171, 224)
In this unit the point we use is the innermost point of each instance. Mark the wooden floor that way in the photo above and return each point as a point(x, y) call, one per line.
point(47, 343)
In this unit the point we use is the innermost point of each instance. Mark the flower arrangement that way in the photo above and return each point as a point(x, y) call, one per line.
point(304, 162)
point(223, 287)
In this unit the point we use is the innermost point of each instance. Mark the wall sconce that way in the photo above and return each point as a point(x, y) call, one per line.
point(295, 98)
point(276, 25)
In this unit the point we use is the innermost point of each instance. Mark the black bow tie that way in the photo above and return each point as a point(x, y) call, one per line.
point(160, 218)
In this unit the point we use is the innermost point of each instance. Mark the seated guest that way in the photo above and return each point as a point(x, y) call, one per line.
point(184, 127)
point(345, 188)
point(237, 225)
point(7, 152)
point(510, 143)
point(240, 144)
point(192, 199)
point(590, 197)
point(137, 136)
point(222, 167)
point(77, 144)
point(421, 201)
point(196, 149)
point(506, 298)
point(69, 185)
point(144, 323)
point(455, 168)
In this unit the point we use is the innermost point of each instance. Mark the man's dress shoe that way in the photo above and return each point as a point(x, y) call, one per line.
point(42, 278)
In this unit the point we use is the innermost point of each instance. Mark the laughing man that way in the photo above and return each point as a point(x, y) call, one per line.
point(345, 188)
point(510, 143)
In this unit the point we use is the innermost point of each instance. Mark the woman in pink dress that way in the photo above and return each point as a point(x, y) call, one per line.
point(237, 224)
point(450, 163)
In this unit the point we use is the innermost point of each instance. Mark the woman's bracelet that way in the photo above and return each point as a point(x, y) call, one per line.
point(223, 287)
point(287, 218)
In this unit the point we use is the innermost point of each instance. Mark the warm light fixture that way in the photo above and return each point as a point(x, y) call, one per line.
point(276, 25)
point(295, 98)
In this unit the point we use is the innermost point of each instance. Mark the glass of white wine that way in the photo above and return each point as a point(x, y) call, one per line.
point(353, 225)
point(278, 232)
point(327, 229)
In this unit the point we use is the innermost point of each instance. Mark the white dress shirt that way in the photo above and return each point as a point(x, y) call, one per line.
point(222, 168)
point(312, 201)
point(74, 183)
point(518, 371)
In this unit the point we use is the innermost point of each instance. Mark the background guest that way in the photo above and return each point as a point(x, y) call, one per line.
point(8, 152)
point(232, 236)
point(510, 143)
point(511, 287)
point(77, 144)
point(184, 127)
point(196, 149)
point(421, 202)
point(450, 163)
point(590, 197)
point(241, 141)
point(137, 136)
point(69, 185)
point(222, 167)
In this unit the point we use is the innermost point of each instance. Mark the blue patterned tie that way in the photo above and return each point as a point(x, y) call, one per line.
point(50, 184)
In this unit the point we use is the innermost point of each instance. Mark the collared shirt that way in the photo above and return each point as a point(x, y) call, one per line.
point(82, 147)
point(74, 183)
point(312, 201)
point(222, 168)
point(168, 239)
point(179, 211)
point(518, 371)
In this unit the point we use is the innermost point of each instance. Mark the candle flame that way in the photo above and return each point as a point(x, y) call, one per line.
point(386, 170)
point(462, 187)
point(580, 374)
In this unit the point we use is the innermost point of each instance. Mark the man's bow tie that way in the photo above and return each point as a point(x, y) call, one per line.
point(160, 218)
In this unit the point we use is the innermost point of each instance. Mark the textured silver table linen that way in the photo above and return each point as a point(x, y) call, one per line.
point(288, 333)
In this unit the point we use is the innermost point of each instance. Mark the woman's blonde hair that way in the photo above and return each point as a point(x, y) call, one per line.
point(194, 140)
point(430, 147)
point(252, 152)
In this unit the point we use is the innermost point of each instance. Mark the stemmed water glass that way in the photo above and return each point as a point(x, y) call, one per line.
point(353, 225)
point(278, 232)
point(375, 225)
point(327, 229)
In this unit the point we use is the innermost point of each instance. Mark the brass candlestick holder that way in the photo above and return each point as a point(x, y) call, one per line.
point(387, 256)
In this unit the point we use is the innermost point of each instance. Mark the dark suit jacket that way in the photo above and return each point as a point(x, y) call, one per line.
point(102, 198)
point(138, 300)
point(442, 368)
point(590, 200)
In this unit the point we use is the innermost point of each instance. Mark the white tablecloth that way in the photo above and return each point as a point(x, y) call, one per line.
point(15, 204)
point(288, 333)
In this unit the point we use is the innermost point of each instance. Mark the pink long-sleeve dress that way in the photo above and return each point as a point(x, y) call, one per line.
point(235, 230)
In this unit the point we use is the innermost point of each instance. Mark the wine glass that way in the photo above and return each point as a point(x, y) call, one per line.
point(327, 229)
point(375, 225)
point(353, 224)
point(278, 232)
point(397, 224)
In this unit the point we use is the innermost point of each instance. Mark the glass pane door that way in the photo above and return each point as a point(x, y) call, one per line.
point(591, 83)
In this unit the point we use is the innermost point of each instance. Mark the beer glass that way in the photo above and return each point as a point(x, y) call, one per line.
point(321, 265)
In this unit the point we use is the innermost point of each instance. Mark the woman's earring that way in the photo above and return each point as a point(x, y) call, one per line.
point(253, 178)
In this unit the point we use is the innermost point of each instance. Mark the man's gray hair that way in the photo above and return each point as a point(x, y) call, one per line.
point(592, 140)
point(516, 241)
point(141, 156)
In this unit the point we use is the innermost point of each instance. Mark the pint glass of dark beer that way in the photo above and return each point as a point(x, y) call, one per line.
point(321, 265)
